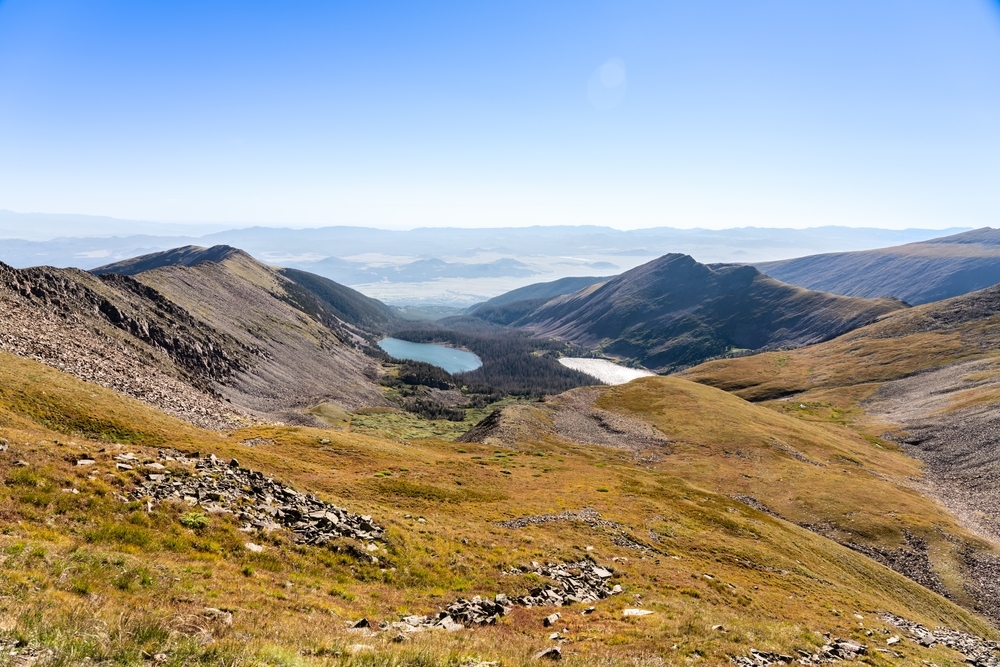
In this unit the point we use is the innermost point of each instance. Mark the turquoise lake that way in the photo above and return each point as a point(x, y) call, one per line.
point(448, 358)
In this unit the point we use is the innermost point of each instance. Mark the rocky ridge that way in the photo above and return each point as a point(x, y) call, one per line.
point(220, 343)
point(48, 316)
point(307, 356)
point(202, 352)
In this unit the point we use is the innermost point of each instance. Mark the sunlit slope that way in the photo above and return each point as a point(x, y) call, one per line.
point(122, 335)
point(855, 489)
point(917, 339)
point(76, 563)
point(313, 294)
point(852, 488)
point(928, 378)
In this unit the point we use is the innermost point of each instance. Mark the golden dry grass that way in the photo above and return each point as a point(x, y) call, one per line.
point(91, 577)
point(804, 462)
point(900, 344)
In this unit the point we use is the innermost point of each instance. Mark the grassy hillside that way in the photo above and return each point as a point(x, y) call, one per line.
point(87, 575)
point(927, 378)
point(816, 472)
point(926, 337)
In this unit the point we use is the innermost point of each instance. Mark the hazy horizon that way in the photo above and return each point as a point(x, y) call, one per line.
point(9, 220)
point(435, 265)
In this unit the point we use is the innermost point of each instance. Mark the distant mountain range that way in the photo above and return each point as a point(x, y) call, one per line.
point(916, 273)
point(42, 227)
point(86, 242)
point(539, 291)
point(421, 270)
point(426, 268)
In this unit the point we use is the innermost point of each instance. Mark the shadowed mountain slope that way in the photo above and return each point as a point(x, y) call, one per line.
point(916, 273)
point(324, 298)
point(674, 312)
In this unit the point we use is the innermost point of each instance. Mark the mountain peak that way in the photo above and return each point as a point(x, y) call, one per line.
point(675, 311)
point(189, 255)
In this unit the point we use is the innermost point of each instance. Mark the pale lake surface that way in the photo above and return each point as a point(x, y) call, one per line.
point(604, 370)
point(448, 358)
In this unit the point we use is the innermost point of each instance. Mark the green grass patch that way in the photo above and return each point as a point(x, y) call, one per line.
point(402, 488)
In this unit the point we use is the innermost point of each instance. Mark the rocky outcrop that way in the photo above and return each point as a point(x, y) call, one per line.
point(976, 650)
point(579, 582)
point(619, 535)
point(257, 501)
point(835, 650)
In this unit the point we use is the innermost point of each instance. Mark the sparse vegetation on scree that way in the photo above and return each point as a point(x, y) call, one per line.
point(89, 576)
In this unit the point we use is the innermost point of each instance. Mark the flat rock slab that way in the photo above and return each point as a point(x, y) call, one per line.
point(551, 653)
point(636, 612)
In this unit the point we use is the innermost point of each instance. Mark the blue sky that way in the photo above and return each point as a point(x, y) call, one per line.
point(631, 114)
